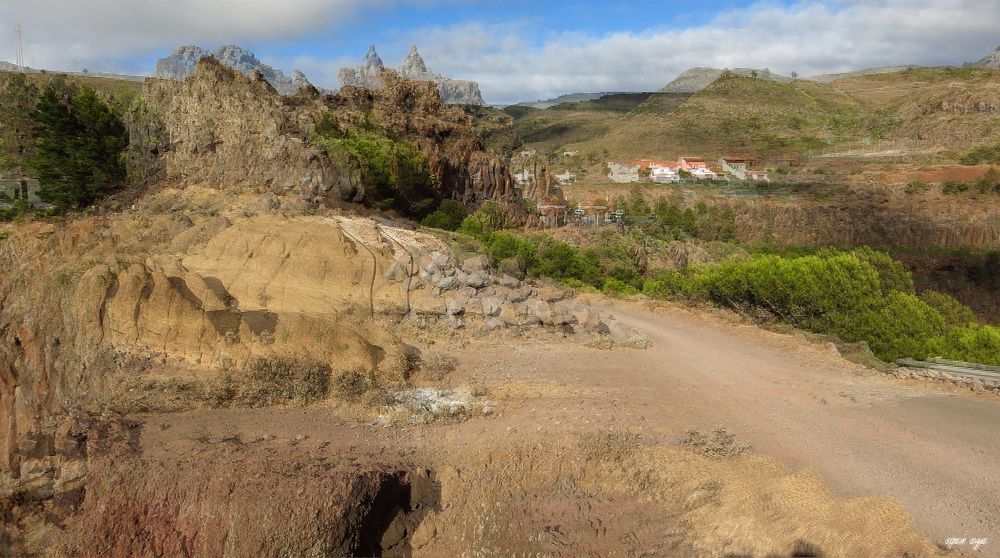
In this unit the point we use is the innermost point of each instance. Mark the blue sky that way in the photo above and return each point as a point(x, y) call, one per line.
point(516, 49)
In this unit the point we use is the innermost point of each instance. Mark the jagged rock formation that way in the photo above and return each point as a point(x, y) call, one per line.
point(368, 75)
point(233, 132)
point(182, 61)
point(696, 79)
point(990, 62)
point(222, 128)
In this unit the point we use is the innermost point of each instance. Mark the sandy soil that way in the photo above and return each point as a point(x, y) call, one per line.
point(934, 451)
point(849, 443)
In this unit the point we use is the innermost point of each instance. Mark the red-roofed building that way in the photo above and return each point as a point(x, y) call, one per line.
point(689, 163)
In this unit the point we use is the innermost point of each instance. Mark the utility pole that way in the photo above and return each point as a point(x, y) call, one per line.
point(19, 35)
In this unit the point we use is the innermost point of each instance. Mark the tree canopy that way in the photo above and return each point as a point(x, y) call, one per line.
point(78, 147)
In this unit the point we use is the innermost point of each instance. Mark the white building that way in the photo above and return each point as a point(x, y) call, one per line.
point(703, 173)
point(565, 178)
point(664, 175)
point(623, 174)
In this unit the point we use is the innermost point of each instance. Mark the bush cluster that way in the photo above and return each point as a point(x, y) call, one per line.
point(448, 216)
point(982, 155)
point(988, 184)
point(394, 173)
point(861, 295)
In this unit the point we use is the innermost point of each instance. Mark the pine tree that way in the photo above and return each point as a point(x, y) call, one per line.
point(79, 145)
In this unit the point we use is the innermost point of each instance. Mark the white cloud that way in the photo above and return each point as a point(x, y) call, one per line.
point(517, 59)
point(809, 37)
point(107, 34)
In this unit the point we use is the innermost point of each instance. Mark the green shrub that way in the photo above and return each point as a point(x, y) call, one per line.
point(78, 148)
point(448, 216)
point(982, 155)
point(970, 343)
point(392, 173)
point(954, 313)
point(489, 218)
point(615, 286)
point(954, 187)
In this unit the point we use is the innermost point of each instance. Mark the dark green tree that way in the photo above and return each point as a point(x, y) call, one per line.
point(78, 147)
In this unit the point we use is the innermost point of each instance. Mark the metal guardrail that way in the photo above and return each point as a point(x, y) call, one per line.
point(962, 370)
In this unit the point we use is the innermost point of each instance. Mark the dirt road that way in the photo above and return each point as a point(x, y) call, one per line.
point(937, 453)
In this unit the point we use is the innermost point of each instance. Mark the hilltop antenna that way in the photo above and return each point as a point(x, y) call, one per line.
point(19, 34)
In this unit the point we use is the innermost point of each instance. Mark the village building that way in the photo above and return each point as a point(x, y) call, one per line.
point(13, 189)
point(664, 175)
point(690, 163)
point(623, 174)
point(594, 212)
point(565, 178)
point(529, 152)
point(703, 173)
point(736, 165)
point(553, 211)
point(758, 176)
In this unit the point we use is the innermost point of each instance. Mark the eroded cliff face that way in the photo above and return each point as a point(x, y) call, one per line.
point(93, 305)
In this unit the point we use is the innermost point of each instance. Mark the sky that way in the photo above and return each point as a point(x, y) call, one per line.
point(517, 50)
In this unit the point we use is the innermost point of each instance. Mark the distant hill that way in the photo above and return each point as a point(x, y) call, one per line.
point(696, 79)
point(830, 78)
point(990, 62)
point(563, 99)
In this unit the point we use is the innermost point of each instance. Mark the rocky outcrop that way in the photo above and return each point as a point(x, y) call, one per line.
point(989, 62)
point(222, 128)
point(414, 111)
point(229, 131)
point(368, 75)
point(182, 62)
point(696, 79)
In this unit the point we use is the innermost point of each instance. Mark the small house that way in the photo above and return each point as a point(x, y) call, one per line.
point(565, 178)
point(690, 163)
point(553, 212)
point(758, 176)
point(736, 166)
point(664, 175)
point(703, 173)
point(594, 212)
point(623, 174)
point(13, 189)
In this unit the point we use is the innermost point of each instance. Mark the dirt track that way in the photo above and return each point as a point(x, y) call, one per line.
point(937, 453)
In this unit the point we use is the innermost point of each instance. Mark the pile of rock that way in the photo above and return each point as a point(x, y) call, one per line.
point(441, 286)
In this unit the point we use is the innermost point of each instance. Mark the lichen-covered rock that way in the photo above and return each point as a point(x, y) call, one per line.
point(369, 76)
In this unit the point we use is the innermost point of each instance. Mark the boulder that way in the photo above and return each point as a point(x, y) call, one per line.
point(396, 272)
point(491, 306)
point(453, 306)
point(627, 336)
point(448, 283)
point(508, 281)
point(475, 279)
point(513, 314)
point(541, 310)
point(585, 315)
point(521, 294)
point(493, 323)
point(476, 263)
